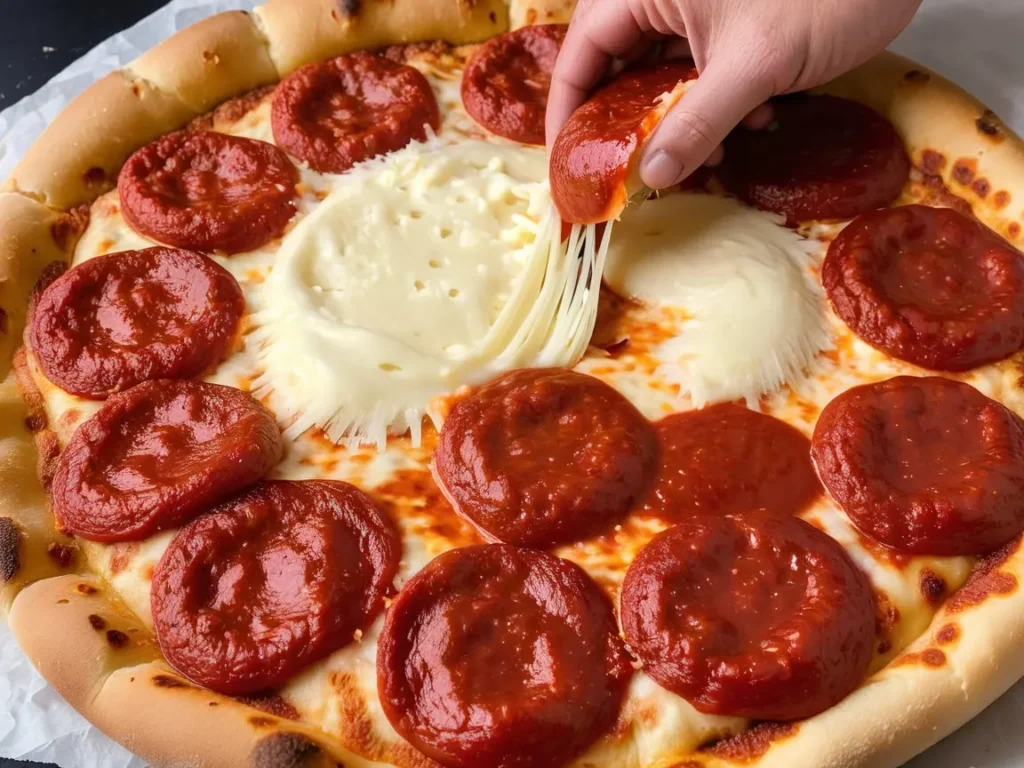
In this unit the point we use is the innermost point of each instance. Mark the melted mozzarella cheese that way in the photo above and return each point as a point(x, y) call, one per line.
point(755, 317)
point(423, 271)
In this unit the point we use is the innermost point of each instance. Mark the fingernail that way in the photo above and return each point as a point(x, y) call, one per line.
point(660, 170)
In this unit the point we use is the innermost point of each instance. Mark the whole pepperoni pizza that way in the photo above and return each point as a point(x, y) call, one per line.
point(343, 426)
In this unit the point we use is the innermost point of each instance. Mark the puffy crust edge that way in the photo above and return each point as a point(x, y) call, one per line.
point(523, 13)
point(303, 31)
point(949, 134)
point(213, 60)
point(101, 659)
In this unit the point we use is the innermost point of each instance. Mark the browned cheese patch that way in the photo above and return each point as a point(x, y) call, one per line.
point(986, 580)
point(10, 549)
point(750, 745)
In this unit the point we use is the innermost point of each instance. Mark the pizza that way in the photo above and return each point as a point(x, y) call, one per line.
point(343, 425)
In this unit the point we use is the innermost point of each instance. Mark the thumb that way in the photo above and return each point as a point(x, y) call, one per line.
point(719, 99)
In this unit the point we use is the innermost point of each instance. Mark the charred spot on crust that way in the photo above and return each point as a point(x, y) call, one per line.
point(258, 721)
point(917, 76)
point(272, 704)
point(350, 8)
point(169, 681)
point(95, 176)
point(981, 187)
point(493, 17)
point(933, 587)
point(933, 657)
point(751, 744)
point(932, 161)
point(3, 322)
point(117, 639)
point(62, 554)
point(947, 634)
point(986, 579)
point(1001, 199)
point(10, 546)
point(86, 589)
point(35, 422)
point(286, 750)
point(1013, 229)
point(98, 622)
point(989, 124)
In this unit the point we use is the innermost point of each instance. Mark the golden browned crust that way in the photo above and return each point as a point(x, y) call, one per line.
point(949, 133)
point(301, 31)
point(79, 155)
point(523, 13)
point(31, 237)
point(211, 61)
point(103, 662)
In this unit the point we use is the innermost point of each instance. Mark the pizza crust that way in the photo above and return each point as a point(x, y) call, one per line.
point(303, 31)
point(217, 58)
point(523, 13)
point(942, 680)
point(104, 663)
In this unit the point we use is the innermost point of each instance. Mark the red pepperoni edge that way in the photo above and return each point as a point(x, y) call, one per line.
point(597, 149)
point(505, 85)
point(208, 191)
point(924, 465)
point(337, 113)
point(929, 286)
point(521, 643)
point(750, 615)
point(118, 320)
point(825, 158)
point(730, 459)
point(544, 457)
point(157, 455)
point(248, 595)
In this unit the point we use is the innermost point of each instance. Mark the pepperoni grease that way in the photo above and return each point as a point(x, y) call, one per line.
point(502, 657)
point(117, 320)
point(157, 455)
point(545, 457)
point(506, 83)
point(248, 595)
point(750, 615)
point(924, 465)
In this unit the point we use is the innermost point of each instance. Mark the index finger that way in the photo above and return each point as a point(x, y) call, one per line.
point(598, 33)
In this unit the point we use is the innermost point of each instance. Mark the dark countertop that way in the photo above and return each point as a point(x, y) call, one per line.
point(38, 39)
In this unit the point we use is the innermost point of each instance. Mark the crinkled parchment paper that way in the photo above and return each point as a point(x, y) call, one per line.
point(977, 44)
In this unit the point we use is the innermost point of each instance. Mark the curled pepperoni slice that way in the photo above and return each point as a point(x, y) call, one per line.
point(726, 459)
point(157, 455)
point(506, 83)
point(596, 153)
point(544, 457)
point(929, 286)
point(209, 192)
point(499, 656)
point(337, 113)
point(924, 465)
point(248, 595)
point(117, 320)
point(750, 615)
point(825, 158)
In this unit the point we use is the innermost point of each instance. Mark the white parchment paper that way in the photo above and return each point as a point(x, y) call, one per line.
point(977, 43)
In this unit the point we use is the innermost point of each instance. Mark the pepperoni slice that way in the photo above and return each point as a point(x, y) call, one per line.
point(248, 595)
point(506, 83)
point(924, 465)
point(499, 656)
point(750, 615)
point(929, 286)
point(825, 158)
point(597, 150)
point(157, 455)
point(726, 459)
point(117, 320)
point(337, 113)
point(209, 192)
point(544, 457)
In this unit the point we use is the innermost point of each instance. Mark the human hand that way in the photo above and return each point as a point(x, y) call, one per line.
point(745, 50)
